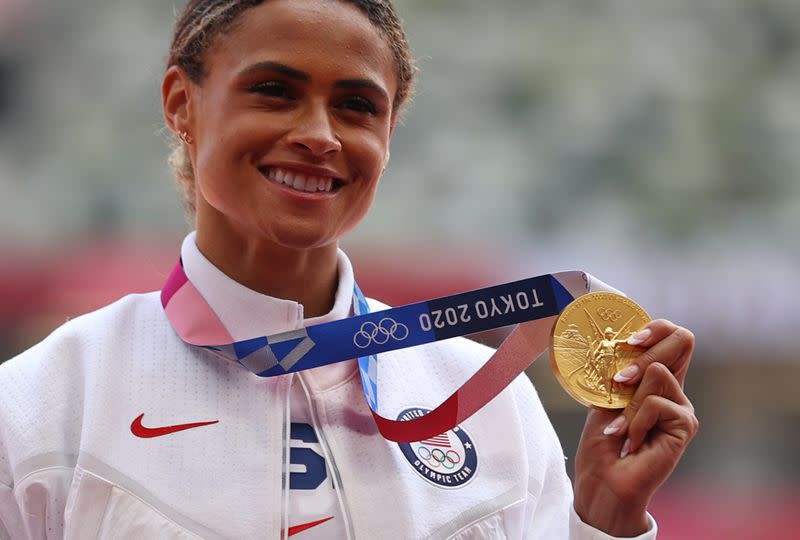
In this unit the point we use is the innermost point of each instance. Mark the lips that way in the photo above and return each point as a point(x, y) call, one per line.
point(301, 181)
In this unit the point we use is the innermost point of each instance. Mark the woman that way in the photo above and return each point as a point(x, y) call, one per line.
point(114, 427)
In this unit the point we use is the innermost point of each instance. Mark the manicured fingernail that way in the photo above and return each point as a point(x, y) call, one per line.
point(626, 449)
point(614, 426)
point(639, 337)
point(627, 374)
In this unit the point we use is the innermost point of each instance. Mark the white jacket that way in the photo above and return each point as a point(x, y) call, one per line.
point(71, 466)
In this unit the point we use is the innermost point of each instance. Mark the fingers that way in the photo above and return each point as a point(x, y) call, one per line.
point(677, 422)
point(658, 381)
point(665, 343)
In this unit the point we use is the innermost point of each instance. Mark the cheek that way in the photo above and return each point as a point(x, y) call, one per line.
point(372, 157)
point(227, 131)
point(225, 155)
point(218, 175)
point(360, 210)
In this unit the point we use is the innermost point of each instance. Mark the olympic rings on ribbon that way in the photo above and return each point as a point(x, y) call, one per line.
point(380, 333)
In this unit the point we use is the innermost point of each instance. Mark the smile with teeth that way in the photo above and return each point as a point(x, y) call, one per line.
point(299, 181)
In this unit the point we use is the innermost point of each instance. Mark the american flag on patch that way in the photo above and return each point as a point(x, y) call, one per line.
point(442, 440)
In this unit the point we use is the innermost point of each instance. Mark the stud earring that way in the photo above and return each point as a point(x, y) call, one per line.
point(185, 137)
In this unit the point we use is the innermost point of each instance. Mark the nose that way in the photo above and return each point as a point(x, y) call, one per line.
point(313, 133)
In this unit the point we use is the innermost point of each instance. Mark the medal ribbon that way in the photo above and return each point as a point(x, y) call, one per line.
point(532, 304)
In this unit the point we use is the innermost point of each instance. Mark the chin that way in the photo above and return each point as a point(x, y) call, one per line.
point(303, 239)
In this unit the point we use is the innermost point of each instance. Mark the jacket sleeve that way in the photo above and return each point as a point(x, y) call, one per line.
point(35, 472)
point(10, 518)
point(550, 512)
point(35, 510)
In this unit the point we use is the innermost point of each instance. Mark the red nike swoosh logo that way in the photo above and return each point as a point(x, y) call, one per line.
point(305, 526)
point(148, 433)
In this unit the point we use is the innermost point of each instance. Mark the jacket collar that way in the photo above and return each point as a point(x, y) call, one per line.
point(248, 314)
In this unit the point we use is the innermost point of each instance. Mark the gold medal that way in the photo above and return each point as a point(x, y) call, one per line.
point(589, 346)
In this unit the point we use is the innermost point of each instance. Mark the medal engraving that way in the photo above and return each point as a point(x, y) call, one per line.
point(589, 346)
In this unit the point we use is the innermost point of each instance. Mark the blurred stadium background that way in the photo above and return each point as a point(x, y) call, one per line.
point(653, 144)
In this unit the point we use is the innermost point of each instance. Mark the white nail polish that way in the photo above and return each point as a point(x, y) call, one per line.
point(626, 449)
point(639, 337)
point(614, 426)
point(627, 374)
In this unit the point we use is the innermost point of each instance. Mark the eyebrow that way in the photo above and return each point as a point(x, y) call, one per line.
point(363, 83)
point(298, 75)
point(276, 66)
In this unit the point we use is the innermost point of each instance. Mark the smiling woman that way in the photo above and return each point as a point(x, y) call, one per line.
point(117, 426)
point(273, 116)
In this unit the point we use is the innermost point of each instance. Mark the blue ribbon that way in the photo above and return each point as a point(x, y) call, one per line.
point(368, 334)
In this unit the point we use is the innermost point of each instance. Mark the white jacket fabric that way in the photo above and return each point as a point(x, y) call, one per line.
point(72, 467)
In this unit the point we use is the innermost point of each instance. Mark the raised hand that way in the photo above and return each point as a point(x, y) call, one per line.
point(624, 457)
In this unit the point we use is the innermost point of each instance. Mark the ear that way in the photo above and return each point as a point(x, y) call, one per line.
point(176, 91)
point(393, 123)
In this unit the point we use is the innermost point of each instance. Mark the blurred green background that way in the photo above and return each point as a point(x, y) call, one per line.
point(655, 145)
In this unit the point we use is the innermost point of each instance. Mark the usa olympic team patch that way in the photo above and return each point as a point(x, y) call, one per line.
point(448, 460)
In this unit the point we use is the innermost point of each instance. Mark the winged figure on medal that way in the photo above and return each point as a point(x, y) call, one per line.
point(595, 359)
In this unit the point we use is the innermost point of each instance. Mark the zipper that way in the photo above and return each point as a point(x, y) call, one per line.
point(331, 463)
point(286, 458)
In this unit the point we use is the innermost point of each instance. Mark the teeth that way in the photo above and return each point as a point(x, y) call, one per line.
point(299, 181)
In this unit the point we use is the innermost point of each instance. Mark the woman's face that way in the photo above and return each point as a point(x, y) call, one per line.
point(291, 124)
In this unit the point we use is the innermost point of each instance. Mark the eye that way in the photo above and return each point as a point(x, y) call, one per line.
point(275, 89)
point(358, 104)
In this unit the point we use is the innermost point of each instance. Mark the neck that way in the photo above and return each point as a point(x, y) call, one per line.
point(307, 276)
